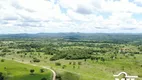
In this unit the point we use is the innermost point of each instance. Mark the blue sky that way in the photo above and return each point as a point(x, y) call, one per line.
point(87, 16)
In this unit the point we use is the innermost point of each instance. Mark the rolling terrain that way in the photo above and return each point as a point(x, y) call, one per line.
point(73, 56)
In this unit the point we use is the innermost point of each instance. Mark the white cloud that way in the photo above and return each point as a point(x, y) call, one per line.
point(102, 5)
point(33, 16)
point(121, 6)
point(138, 1)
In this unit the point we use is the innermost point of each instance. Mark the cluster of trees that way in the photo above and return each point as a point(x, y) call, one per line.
point(72, 54)
point(64, 47)
point(140, 48)
point(6, 50)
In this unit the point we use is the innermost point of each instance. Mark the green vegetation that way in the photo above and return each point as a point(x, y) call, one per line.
point(74, 56)
point(11, 70)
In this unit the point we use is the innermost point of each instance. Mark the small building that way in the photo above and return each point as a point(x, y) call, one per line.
point(126, 77)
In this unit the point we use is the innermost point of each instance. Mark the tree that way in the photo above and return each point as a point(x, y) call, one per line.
point(12, 58)
point(58, 64)
point(36, 60)
point(41, 70)
point(85, 59)
point(78, 67)
point(64, 66)
point(102, 59)
point(74, 63)
point(79, 63)
point(1, 76)
point(5, 68)
point(58, 77)
point(32, 71)
point(2, 60)
point(6, 50)
point(70, 63)
point(44, 78)
point(73, 66)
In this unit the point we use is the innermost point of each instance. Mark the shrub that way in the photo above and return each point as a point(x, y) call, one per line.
point(6, 50)
point(41, 70)
point(2, 60)
point(74, 63)
point(70, 63)
point(58, 64)
point(32, 71)
point(64, 66)
point(1, 76)
point(79, 63)
point(44, 78)
point(36, 60)
point(58, 76)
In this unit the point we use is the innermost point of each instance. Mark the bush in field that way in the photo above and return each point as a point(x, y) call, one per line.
point(43, 79)
point(70, 63)
point(73, 66)
point(58, 76)
point(21, 56)
point(6, 50)
point(79, 63)
point(12, 58)
point(74, 63)
point(85, 59)
point(58, 64)
point(5, 68)
point(41, 70)
point(45, 57)
point(2, 60)
point(32, 71)
point(36, 60)
point(64, 66)
point(2, 54)
point(1, 76)
point(102, 59)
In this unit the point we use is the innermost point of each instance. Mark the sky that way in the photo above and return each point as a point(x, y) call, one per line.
point(84, 16)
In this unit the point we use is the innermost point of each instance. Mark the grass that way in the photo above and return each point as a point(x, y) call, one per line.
point(92, 70)
point(18, 71)
point(89, 70)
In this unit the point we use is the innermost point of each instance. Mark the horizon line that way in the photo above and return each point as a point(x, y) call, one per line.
point(71, 32)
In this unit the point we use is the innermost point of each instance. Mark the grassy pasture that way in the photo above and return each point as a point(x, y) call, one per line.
point(17, 71)
point(92, 70)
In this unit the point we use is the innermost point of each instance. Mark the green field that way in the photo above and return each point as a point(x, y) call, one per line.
point(91, 70)
point(19, 71)
point(96, 57)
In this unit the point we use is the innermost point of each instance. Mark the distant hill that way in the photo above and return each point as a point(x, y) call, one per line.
point(79, 36)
